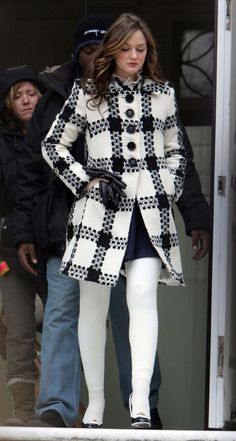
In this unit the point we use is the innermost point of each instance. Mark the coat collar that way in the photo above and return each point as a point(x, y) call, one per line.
point(142, 85)
point(61, 79)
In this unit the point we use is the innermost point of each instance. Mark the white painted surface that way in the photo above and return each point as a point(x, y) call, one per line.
point(45, 434)
point(221, 391)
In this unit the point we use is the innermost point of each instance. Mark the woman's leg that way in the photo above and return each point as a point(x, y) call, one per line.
point(94, 304)
point(142, 280)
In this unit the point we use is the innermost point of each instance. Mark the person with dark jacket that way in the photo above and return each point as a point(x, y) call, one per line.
point(41, 216)
point(19, 94)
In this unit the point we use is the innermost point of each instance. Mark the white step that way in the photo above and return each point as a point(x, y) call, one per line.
point(61, 434)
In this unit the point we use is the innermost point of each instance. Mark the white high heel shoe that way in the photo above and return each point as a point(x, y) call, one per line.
point(139, 420)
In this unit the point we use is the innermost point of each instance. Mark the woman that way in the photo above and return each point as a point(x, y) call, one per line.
point(19, 94)
point(122, 216)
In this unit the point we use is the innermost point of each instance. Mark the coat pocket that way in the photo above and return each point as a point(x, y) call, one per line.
point(6, 229)
point(168, 183)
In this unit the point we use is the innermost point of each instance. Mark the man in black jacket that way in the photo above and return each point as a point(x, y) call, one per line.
point(41, 217)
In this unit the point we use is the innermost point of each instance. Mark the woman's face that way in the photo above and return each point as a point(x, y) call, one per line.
point(130, 58)
point(24, 101)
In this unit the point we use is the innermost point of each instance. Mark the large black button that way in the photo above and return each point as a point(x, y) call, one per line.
point(131, 129)
point(129, 98)
point(132, 162)
point(129, 113)
point(131, 145)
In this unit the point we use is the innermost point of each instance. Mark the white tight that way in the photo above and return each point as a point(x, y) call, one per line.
point(94, 305)
point(142, 280)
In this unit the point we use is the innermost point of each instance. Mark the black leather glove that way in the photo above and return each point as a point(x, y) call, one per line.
point(111, 192)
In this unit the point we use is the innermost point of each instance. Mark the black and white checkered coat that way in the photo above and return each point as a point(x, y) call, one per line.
point(135, 133)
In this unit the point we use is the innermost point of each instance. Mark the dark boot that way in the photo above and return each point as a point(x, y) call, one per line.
point(23, 395)
point(49, 418)
point(156, 423)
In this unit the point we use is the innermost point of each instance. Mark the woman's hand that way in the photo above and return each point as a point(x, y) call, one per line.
point(92, 183)
point(111, 186)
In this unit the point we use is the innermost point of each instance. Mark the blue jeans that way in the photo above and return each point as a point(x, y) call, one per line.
point(60, 358)
point(120, 330)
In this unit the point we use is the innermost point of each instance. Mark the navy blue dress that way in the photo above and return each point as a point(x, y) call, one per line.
point(139, 244)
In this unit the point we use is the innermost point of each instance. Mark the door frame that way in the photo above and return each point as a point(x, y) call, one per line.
point(218, 407)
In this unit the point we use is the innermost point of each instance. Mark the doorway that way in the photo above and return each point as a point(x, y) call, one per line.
point(182, 311)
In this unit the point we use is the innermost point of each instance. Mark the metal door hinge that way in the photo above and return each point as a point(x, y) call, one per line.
point(233, 413)
point(220, 367)
point(221, 185)
point(228, 15)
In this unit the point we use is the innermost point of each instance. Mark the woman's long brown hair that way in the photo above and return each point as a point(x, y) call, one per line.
point(104, 63)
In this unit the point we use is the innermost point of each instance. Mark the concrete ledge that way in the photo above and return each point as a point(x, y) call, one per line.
point(61, 434)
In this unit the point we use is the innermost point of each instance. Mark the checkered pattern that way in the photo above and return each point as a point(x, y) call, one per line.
point(146, 150)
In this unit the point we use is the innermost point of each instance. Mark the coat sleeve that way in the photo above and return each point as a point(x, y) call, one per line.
point(192, 204)
point(30, 178)
point(68, 125)
point(175, 154)
point(2, 186)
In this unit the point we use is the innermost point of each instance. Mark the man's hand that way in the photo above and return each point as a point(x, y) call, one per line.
point(27, 257)
point(200, 243)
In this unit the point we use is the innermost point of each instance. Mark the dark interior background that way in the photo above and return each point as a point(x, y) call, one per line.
point(40, 33)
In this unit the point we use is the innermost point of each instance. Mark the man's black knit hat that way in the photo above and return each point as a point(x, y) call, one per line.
point(90, 30)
